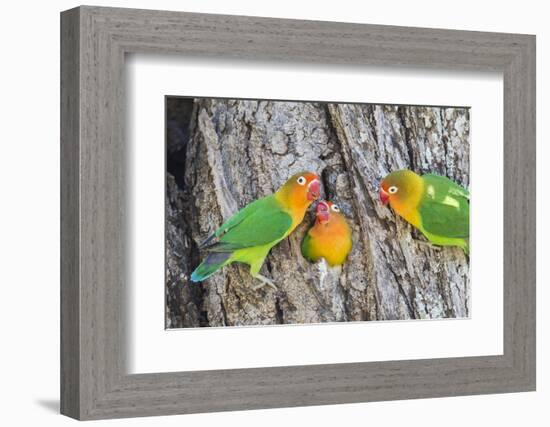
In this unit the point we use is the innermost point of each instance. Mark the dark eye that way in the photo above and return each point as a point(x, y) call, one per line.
point(392, 189)
point(301, 181)
point(335, 208)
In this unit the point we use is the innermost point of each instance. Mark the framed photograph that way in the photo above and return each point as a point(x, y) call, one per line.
point(261, 213)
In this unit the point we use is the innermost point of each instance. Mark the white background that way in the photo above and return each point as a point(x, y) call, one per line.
point(152, 349)
point(29, 233)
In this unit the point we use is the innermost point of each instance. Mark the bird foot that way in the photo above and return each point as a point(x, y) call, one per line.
point(427, 244)
point(264, 281)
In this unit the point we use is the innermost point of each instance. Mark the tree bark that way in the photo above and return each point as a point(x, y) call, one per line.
point(236, 151)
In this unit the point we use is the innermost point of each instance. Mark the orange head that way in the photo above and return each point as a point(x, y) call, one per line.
point(400, 188)
point(325, 211)
point(300, 190)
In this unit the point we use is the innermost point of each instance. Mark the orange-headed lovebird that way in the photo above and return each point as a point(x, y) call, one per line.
point(330, 236)
point(249, 235)
point(434, 204)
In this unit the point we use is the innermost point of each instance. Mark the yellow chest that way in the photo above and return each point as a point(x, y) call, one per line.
point(410, 215)
point(331, 241)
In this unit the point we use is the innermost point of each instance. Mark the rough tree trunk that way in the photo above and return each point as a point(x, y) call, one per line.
point(229, 153)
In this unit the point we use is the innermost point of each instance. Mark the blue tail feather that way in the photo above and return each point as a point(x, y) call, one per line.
point(212, 263)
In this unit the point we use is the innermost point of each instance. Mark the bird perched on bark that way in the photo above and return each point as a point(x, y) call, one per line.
point(434, 204)
point(248, 236)
point(330, 236)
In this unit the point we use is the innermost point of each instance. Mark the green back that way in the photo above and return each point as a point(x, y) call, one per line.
point(444, 208)
point(261, 222)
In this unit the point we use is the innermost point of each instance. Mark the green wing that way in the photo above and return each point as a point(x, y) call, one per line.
point(306, 247)
point(244, 213)
point(233, 221)
point(261, 222)
point(445, 208)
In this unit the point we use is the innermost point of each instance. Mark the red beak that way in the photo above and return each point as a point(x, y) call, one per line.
point(384, 197)
point(322, 212)
point(313, 190)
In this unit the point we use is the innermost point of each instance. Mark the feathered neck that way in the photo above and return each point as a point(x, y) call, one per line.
point(294, 200)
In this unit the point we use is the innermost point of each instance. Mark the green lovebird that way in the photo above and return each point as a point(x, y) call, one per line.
point(434, 204)
point(249, 235)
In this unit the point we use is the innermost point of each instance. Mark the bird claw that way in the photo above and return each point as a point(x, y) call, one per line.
point(427, 244)
point(264, 281)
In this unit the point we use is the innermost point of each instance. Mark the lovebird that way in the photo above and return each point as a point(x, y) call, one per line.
point(330, 236)
point(434, 204)
point(249, 235)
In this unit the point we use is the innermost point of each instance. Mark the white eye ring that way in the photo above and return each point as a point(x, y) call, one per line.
point(301, 181)
point(392, 189)
point(335, 208)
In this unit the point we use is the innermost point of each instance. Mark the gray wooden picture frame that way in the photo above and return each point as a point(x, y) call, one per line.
point(94, 382)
